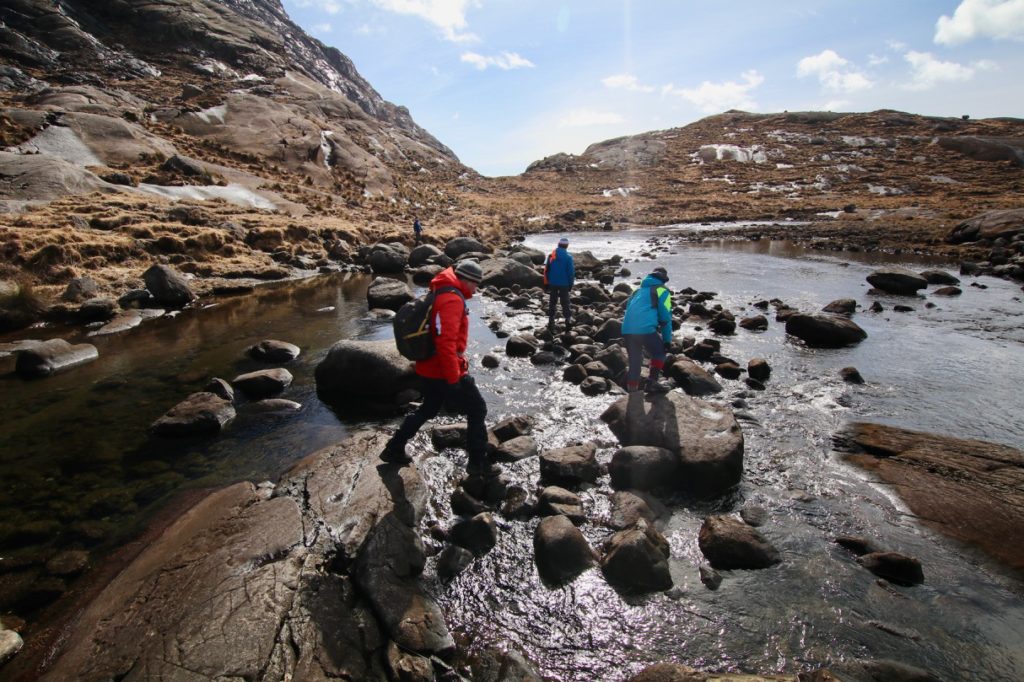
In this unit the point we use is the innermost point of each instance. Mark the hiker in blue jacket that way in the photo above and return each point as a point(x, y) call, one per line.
point(559, 276)
point(647, 325)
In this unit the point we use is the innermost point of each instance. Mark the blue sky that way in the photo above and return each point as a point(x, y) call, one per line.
point(506, 82)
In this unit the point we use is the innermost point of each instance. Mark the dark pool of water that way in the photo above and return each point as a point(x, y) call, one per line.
point(75, 456)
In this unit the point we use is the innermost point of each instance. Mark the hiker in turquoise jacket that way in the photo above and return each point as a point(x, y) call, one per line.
point(559, 276)
point(647, 325)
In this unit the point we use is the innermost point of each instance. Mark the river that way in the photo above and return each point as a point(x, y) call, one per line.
point(78, 466)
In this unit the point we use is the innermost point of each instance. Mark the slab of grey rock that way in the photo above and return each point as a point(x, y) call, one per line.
point(168, 286)
point(264, 383)
point(48, 357)
point(825, 331)
point(234, 583)
point(199, 414)
point(130, 319)
point(272, 350)
point(900, 281)
point(705, 436)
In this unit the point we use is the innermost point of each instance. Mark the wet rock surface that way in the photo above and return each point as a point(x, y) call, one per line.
point(967, 489)
point(237, 579)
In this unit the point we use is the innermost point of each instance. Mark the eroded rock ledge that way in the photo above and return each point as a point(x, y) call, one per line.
point(254, 586)
point(971, 490)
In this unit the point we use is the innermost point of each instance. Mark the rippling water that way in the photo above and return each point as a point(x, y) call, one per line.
point(74, 448)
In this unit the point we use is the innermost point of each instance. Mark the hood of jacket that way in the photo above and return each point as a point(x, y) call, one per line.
point(447, 278)
point(651, 281)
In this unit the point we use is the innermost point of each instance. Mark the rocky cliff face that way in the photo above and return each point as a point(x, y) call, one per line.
point(116, 113)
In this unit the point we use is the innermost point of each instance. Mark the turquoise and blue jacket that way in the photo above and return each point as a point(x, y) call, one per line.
point(559, 270)
point(644, 318)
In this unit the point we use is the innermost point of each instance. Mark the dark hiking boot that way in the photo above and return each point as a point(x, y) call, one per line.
point(482, 467)
point(657, 386)
point(395, 454)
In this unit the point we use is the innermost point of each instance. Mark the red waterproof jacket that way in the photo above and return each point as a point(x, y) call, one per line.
point(450, 325)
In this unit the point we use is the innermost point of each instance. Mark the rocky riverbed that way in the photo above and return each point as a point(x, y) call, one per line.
point(490, 560)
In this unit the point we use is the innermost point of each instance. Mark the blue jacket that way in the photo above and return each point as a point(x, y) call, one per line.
point(642, 318)
point(559, 270)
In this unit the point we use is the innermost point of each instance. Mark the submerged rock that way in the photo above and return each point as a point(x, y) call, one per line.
point(263, 383)
point(894, 567)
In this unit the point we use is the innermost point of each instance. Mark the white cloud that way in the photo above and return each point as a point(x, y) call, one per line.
point(329, 6)
point(927, 71)
point(322, 28)
point(877, 60)
point(627, 82)
point(505, 61)
point(999, 19)
point(447, 15)
point(835, 73)
point(716, 97)
point(579, 118)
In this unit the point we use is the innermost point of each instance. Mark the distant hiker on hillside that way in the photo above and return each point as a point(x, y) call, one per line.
point(445, 375)
point(559, 276)
point(647, 325)
point(417, 229)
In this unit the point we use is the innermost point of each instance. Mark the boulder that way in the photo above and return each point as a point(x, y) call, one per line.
point(10, 644)
point(898, 281)
point(693, 378)
point(461, 245)
point(520, 346)
point(422, 276)
point(894, 567)
point(637, 560)
point(595, 386)
point(478, 534)
point(825, 331)
point(388, 293)
point(948, 291)
point(939, 277)
point(759, 369)
point(757, 323)
point(643, 467)
point(200, 414)
point(841, 306)
point(706, 437)
point(167, 286)
point(452, 561)
point(515, 449)
point(80, 289)
point(264, 383)
point(990, 225)
point(554, 500)
point(505, 272)
point(422, 254)
point(729, 543)
point(388, 258)
point(358, 370)
point(560, 550)
point(270, 350)
point(851, 375)
point(221, 388)
point(630, 506)
point(48, 357)
point(512, 427)
point(570, 466)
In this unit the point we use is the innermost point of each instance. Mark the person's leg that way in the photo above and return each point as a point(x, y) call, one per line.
point(475, 408)
point(566, 307)
point(552, 303)
point(634, 347)
point(433, 391)
point(655, 347)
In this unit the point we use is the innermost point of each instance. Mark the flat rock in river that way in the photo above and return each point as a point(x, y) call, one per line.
point(971, 490)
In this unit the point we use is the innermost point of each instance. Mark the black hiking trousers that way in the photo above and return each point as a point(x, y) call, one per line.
point(556, 294)
point(463, 397)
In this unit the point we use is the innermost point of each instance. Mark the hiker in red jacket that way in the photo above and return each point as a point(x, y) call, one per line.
point(445, 374)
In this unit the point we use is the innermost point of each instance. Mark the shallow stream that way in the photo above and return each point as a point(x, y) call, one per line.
point(78, 468)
